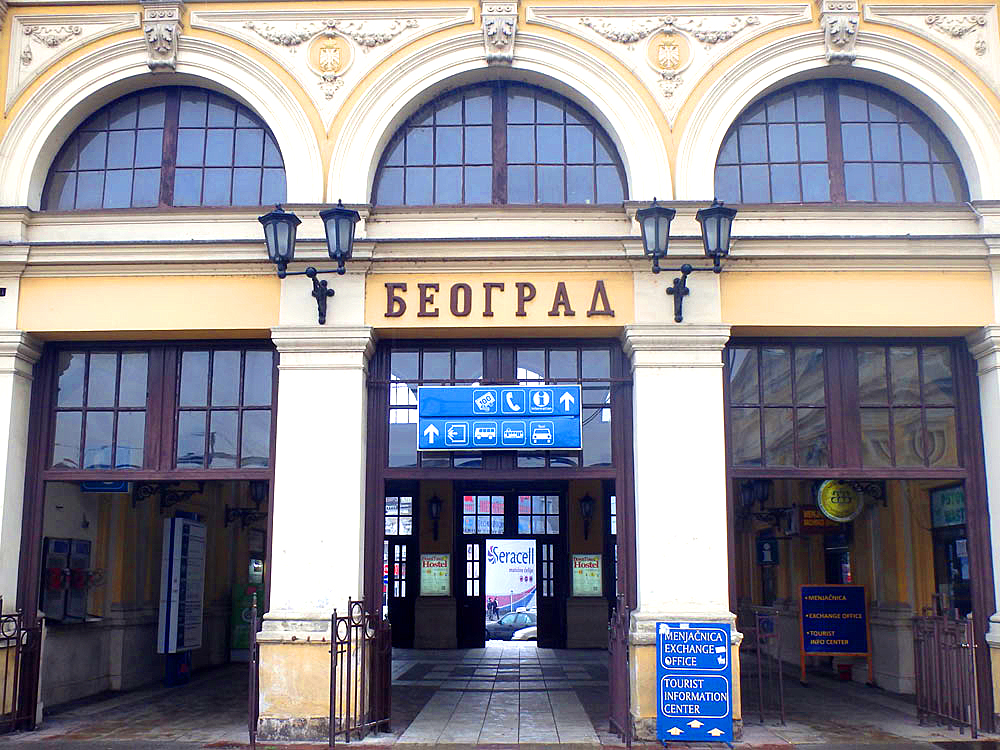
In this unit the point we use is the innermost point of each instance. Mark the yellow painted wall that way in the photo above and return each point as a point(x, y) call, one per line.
point(866, 300)
point(149, 306)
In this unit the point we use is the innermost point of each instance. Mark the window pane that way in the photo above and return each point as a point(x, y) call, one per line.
point(520, 144)
point(97, 450)
point(468, 365)
point(246, 187)
point(885, 141)
point(191, 440)
point(754, 184)
point(89, 190)
point(93, 150)
point(118, 188)
point(403, 444)
point(221, 112)
point(939, 388)
point(562, 365)
point(813, 443)
point(858, 182)
point(812, 142)
point(904, 374)
point(781, 143)
point(222, 440)
point(225, 378)
point(390, 187)
point(418, 186)
point(121, 149)
point(776, 371)
point(193, 109)
point(273, 189)
point(448, 144)
point(596, 363)
point(130, 439)
point(61, 191)
point(257, 378)
point(743, 375)
point(914, 144)
point(190, 148)
point(855, 140)
point(71, 373)
point(146, 188)
point(872, 387)
point(853, 105)
point(249, 147)
point(448, 185)
point(102, 380)
point(610, 188)
point(218, 187)
point(942, 438)
point(420, 146)
point(187, 187)
point(478, 184)
point(727, 184)
point(947, 183)
point(550, 144)
point(194, 379)
point(888, 183)
point(256, 439)
point(596, 438)
point(391, 526)
point(779, 437)
point(875, 448)
point(579, 184)
point(809, 376)
point(745, 424)
point(152, 107)
point(66, 442)
point(785, 183)
point(520, 184)
point(917, 183)
point(815, 183)
point(909, 437)
point(579, 145)
point(479, 145)
point(132, 388)
point(753, 143)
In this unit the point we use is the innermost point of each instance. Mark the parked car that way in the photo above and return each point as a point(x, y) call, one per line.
point(504, 628)
point(526, 634)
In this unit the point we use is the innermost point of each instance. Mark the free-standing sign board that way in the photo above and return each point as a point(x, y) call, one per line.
point(694, 679)
point(834, 622)
point(182, 586)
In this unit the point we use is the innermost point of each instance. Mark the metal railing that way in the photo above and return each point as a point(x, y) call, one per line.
point(253, 704)
point(762, 638)
point(360, 673)
point(945, 672)
point(20, 649)
point(618, 673)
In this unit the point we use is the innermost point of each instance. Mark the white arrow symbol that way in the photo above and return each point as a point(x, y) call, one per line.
point(431, 432)
point(675, 731)
point(452, 432)
point(695, 724)
point(715, 732)
point(566, 399)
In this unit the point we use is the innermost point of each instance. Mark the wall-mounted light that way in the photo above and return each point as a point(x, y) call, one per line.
point(434, 511)
point(258, 491)
point(587, 511)
point(280, 227)
point(716, 232)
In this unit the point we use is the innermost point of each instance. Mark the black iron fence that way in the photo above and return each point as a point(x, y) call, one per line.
point(618, 673)
point(360, 673)
point(760, 664)
point(20, 650)
point(945, 671)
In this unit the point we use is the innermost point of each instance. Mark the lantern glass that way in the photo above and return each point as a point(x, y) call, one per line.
point(655, 225)
point(279, 235)
point(716, 225)
point(339, 225)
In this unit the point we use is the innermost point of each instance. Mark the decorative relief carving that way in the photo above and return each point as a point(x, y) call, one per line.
point(499, 29)
point(364, 33)
point(329, 57)
point(708, 31)
point(50, 36)
point(839, 21)
point(161, 25)
point(958, 27)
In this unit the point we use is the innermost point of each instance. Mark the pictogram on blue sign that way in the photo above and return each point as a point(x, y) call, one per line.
point(499, 418)
point(694, 682)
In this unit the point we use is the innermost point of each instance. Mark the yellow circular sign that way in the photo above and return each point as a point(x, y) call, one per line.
point(839, 501)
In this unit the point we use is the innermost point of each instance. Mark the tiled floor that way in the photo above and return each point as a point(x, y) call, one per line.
point(506, 693)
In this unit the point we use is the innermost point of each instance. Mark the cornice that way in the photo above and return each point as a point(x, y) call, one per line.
point(19, 351)
point(327, 339)
point(675, 345)
point(984, 345)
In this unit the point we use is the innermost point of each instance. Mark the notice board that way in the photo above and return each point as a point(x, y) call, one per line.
point(834, 622)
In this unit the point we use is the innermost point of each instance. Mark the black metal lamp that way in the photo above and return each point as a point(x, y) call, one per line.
point(655, 225)
point(716, 227)
point(434, 511)
point(587, 511)
point(339, 224)
point(279, 236)
point(258, 491)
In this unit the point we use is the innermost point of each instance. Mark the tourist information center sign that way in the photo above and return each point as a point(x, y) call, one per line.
point(513, 417)
point(694, 678)
point(834, 623)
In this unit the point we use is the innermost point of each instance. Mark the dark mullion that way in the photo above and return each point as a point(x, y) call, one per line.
point(232, 161)
point(923, 407)
point(871, 143)
point(208, 393)
point(238, 448)
point(767, 159)
point(760, 404)
point(890, 401)
point(168, 161)
point(834, 144)
point(499, 124)
point(739, 165)
point(115, 412)
point(795, 401)
point(83, 410)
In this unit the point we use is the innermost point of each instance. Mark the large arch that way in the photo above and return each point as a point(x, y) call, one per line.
point(611, 99)
point(64, 100)
point(951, 101)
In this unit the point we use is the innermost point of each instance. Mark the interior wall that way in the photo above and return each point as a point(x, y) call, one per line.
point(115, 648)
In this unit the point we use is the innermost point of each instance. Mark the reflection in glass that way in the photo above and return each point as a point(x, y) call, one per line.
point(66, 444)
point(779, 437)
point(194, 379)
point(129, 440)
point(743, 375)
point(813, 441)
point(191, 439)
point(97, 450)
point(71, 373)
point(872, 385)
point(875, 446)
point(745, 424)
point(255, 440)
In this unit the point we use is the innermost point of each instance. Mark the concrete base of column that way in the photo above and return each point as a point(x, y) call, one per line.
point(294, 676)
point(642, 662)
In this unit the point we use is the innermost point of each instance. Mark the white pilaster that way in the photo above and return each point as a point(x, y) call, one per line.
point(18, 353)
point(317, 544)
point(985, 347)
point(680, 474)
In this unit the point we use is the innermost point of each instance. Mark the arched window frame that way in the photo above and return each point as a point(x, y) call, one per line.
point(168, 158)
point(501, 123)
point(844, 166)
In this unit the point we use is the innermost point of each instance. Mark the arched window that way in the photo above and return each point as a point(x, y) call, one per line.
point(836, 141)
point(502, 143)
point(173, 146)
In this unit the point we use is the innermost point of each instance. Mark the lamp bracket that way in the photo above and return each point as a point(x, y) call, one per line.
point(680, 290)
point(246, 516)
point(320, 289)
point(169, 492)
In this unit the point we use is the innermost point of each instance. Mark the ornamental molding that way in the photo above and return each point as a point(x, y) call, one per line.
point(38, 42)
point(499, 28)
point(839, 21)
point(670, 48)
point(329, 52)
point(966, 31)
point(161, 27)
point(3, 13)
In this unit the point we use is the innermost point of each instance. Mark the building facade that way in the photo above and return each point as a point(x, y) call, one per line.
point(497, 154)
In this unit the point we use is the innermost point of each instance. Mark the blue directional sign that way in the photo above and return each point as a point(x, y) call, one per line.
point(694, 682)
point(513, 417)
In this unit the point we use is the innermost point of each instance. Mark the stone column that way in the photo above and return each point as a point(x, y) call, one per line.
point(317, 542)
point(680, 491)
point(18, 353)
